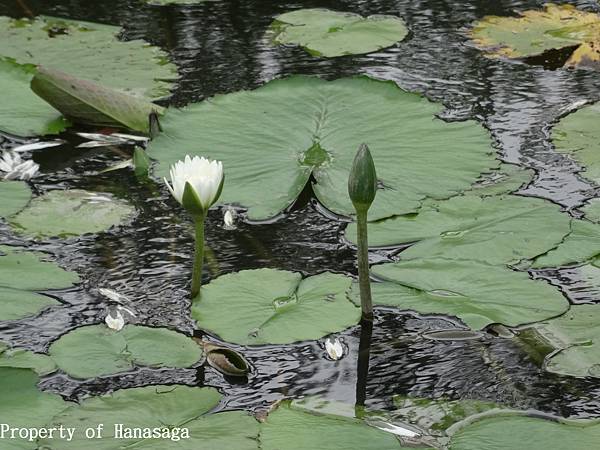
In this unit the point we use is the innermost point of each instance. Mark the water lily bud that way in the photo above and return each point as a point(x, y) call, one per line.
point(334, 349)
point(362, 182)
point(229, 219)
point(196, 183)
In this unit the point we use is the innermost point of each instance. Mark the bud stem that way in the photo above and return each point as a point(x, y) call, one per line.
point(199, 255)
point(363, 266)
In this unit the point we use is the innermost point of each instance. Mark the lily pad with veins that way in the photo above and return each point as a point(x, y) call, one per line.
point(268, 306)
point(96, 350)
point(273, 139)
point(535, 32)
point(323, 32)
point(479, 294)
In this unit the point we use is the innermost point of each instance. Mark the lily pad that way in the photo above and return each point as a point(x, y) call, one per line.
point(292, 428)
point(272, 139)
point(171, 407)
point(22, 112)
point(96, 350)
point(268, 306)
point(22, 272)
point(14, 195)
point(495, 230)
point(24, 359)
point(322, 32)
point(578, 247)
point(510, 431)
point(576, 338)
point(506, 179)
point(90, 51)
point(24, 406)
point(537, 31)
point(578, 136)
point(71, 213)
point(478, 294)
point(88, 103)
point(592, 210)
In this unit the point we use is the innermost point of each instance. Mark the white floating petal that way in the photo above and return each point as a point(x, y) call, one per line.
point(334, 349)
point(37, 145)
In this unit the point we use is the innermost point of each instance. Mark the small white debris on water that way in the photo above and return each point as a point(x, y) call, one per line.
point(37, 146)
point(115, 322)
point(113, 295)
point(229, 219)
point(103, 140)
point(15, 168)
point(334, 349)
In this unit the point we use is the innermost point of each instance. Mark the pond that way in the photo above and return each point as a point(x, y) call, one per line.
point(220, 47)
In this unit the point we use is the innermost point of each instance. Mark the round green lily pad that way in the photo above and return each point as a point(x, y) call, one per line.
point(268, 306)
point(14, 195)
point(495, 229)
point(271, 140)
point(510, 431)
point(578, 136)
point(96, 350)
point(292, 428)
point(173, 407)
point(24, 359)
point(477, 293)
point(322, 32)
point(71, 213)
point(23, 405)
point(22, 272)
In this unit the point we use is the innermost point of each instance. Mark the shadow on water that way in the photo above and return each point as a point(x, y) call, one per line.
point(220, 47)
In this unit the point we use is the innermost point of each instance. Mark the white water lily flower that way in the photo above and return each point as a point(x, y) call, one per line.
point(17, 169)
point(204, 176)
point(334, 349)
point(116, 322)
point(229, 219)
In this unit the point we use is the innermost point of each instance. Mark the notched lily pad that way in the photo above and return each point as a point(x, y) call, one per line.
point(24, 359)
point(178, 411)
point(322, 32)
point(278, 125)
point(537, 31)
point(71, 213)
point(479, 294)
point(268, 306)
point(510, 430)
point(96, 350)
point(578, 136)
point(575, 336)
point(14, 196)
point(495, 229)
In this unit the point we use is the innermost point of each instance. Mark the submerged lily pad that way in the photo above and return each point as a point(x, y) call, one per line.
point(292, 428)
point(322, 32)
point(14, 195)
point(579, 246)
point(21, 273)
point(537, 31)
point(576, 338)
point(511, 430)
point(268, 306)
point(22, 112)
point(161, 407)
point(479, 294)
point(578, 136)
point(24, 359)
point(506, 179)
point(71, 213)
point(24, 405)
point(96, 350)
point(495, 230)
point(272, 139)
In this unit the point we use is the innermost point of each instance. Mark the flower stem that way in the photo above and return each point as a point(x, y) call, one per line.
point(199, 255)
point(363, 266)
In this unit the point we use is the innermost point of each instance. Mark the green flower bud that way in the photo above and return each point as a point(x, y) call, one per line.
point(362, 182)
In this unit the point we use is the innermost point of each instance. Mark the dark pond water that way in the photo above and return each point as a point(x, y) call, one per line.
point(219, 48)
